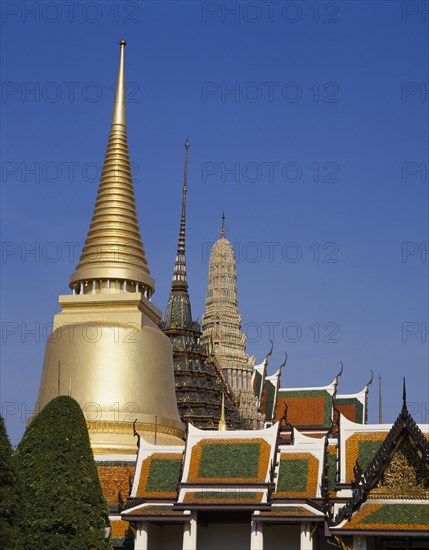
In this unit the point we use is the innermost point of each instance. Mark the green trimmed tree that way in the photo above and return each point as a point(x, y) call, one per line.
point(63, 505)
point(10, 493)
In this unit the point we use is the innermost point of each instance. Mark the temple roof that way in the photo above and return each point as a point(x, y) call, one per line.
point(389, 477)
point(254, 470)
point(307, 408)
point(300, 468)
point(231, 457)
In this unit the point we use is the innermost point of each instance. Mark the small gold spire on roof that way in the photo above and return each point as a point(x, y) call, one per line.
point(222, 422)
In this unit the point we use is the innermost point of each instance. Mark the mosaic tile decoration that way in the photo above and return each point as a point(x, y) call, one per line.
point(160, 475)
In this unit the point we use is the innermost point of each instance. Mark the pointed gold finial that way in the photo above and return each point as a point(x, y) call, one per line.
point(113, 257)
point(119, 114)
point(222, 422)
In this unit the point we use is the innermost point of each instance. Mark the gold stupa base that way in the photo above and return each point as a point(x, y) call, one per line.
point(119, 438)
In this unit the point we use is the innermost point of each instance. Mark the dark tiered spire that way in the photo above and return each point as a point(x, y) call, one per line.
point(179, 275)
point(178, 312)
point(199, 383)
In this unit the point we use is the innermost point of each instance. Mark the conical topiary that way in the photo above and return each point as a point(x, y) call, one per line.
point(63, 505)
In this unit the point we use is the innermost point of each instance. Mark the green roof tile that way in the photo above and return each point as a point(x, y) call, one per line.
point(367, 451)
point(164, 475)
point(332, 471)
point(413, 514)
point(269, 400)
point(292, 476)
point(229, 460)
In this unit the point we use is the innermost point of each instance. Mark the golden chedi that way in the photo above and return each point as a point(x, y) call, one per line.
point(106, 348)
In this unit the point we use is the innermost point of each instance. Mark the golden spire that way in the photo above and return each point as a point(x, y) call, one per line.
point(128, 360)
point(113, 256)
point(222, 422)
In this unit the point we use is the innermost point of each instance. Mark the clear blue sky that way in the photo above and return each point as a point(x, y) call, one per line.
point(322, 111)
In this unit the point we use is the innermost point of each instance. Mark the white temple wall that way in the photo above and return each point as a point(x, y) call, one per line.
point(216, 536)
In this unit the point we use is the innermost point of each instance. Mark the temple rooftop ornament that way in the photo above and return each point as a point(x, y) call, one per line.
point(222, 422)
point(222, 227)
point(107, 336)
